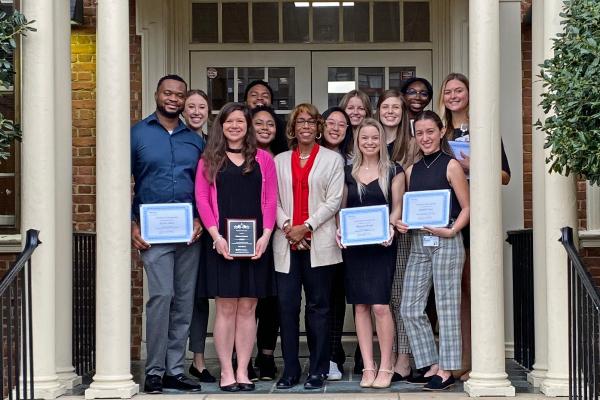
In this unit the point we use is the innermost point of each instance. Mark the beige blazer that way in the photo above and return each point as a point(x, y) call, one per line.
point(326, 185)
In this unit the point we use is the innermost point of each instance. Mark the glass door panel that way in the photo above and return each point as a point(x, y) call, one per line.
point(336, 73)
point(225, 75)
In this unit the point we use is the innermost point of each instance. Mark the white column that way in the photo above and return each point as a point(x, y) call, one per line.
point(488, 376)
point(113, 203)
point(38, 188)
point(538, 165)
point(561, 210)
point(63, 183)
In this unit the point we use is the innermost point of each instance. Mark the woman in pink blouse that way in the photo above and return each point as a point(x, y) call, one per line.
point(235, 180)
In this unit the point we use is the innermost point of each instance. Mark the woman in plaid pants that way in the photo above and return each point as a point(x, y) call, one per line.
point(437, 257)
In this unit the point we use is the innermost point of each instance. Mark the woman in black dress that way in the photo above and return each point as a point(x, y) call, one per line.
point(235, 180)
point(373, 180)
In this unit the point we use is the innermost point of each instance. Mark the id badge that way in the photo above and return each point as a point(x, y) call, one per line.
point(431, 241)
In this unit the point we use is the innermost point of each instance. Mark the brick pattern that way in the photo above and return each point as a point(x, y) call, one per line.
point(527, 129)
point(83, 67)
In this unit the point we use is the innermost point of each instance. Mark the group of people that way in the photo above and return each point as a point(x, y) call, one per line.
point(292, 179)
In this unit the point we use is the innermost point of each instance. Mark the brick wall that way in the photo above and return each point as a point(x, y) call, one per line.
point(83, 70)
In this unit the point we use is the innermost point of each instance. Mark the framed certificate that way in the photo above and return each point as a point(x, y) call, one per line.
point(460, 147)
point(426, 208)
point(365, 225)
point(241, 237)
point(167, 222)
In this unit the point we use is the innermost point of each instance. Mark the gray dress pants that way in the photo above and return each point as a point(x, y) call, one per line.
point(171, 270)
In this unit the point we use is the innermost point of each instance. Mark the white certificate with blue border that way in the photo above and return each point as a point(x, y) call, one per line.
point(166, 222)
point(426, 208)
point(459, 148)
point(365, 225)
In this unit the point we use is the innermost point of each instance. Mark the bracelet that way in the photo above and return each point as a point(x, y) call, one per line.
point(216, 240)
point(308, 226)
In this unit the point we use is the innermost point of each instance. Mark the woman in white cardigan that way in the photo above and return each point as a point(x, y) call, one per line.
point(311, 181)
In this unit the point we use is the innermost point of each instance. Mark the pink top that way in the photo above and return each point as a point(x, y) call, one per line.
point(206, 193)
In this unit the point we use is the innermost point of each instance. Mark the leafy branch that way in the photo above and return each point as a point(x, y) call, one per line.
point(572, 95)
point(12, 26)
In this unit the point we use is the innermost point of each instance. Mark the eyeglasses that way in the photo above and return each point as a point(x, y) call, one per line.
point(310, 122)
point(413, 93)
point(332, 124)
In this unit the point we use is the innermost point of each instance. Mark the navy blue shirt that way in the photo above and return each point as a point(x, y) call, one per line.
point(163, 165)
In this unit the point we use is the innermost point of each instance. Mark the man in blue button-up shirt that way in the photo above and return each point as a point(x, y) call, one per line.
point(164, 157)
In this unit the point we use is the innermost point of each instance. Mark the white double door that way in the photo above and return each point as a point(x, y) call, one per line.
point(317, 77)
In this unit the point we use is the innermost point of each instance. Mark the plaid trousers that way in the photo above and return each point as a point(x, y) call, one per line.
point(443, 266)
point(401, 345)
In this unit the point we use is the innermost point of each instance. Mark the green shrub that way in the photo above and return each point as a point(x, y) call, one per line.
point(11, 27)
point(572, 97)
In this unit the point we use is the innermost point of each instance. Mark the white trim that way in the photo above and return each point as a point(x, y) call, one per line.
point(590, 238)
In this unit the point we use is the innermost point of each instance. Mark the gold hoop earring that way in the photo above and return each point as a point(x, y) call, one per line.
point(291, 136)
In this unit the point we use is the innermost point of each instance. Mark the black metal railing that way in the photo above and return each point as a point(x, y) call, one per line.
point(16, 345)
point(584, 326)
point(84, 303)
point(524, 327)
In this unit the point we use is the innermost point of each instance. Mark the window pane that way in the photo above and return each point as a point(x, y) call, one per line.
point(371, 80)
point(7, 201)
point(281, 80)
point(326, 23)
point(265, 22)
point(220, 86)
point(295, 23)
point(400, 74)
point(205, 23)
point(247, 75)
point(386, 22)
point(356, 22)
point(340, 80)
point(416, 22)
point(235, 23)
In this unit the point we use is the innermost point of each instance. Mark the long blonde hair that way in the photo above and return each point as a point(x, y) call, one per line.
point(383, 166)
point(444, 113)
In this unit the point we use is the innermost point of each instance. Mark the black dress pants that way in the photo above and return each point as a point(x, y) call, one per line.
point(317, 288)
point(336, 315)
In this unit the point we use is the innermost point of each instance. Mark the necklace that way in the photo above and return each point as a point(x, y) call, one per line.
point(303, 156)
point(230, 150)
point(431, 163)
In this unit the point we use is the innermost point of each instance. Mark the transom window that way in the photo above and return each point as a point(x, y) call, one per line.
point(381, 21)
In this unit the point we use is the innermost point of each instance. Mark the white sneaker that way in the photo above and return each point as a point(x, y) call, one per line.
point(334, 372)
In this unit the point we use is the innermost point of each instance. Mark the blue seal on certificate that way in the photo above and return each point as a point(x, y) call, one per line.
point(166, 222)
point(364, 225)
point(426, 208)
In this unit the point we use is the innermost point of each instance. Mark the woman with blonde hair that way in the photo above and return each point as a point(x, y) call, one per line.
point(393, 115)
point(369, 270)
point(311, 181)
point(357, 105)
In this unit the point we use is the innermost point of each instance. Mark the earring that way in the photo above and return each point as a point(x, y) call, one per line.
point(319, 136)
